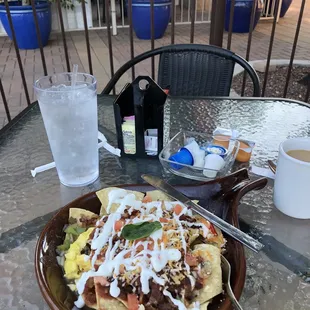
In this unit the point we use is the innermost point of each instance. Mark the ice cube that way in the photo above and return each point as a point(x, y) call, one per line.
point(59, 87)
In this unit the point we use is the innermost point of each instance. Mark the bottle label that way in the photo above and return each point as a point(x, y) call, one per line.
point(129, 140)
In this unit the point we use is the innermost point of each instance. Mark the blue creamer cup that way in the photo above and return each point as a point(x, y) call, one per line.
point(183, 156)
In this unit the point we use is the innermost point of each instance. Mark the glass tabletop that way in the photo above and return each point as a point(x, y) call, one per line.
point(277, 278)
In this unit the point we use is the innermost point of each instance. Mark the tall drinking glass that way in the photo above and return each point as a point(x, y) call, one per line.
point(70, 119)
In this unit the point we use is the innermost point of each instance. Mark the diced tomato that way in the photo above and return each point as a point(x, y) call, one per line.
point(127, 255)
point(139, 240)
point(150, 245)
point(209, 226)
point(163, 220)
point(140, 248)
point(121, 268)
point(119, 225)
point(147, 199)
point(191, 260)
point(212, 229)
point(178, 209)
point(133, 303)
point(165, 239)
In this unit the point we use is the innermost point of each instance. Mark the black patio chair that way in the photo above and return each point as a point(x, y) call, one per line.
point(193, 70)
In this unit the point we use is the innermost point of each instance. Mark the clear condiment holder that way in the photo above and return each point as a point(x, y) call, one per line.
point(191, 171)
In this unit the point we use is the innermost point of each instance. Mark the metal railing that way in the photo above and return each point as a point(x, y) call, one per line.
point(182, 11)
point(95, 10)
point(215, 37)
point(269, 9)
point(276, 4)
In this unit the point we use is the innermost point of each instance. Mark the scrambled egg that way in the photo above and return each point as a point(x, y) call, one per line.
point(76, 262)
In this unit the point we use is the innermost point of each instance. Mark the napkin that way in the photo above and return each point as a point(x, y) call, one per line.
point(264, 172)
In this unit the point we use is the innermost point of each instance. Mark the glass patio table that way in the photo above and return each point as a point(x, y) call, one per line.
point(277, 278)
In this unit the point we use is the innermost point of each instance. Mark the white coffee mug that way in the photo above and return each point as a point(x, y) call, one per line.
point(292, 180)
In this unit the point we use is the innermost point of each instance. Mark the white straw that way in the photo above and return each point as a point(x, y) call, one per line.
point(107, 146)
point(103, 143)
point(74, 75)
point(42, 168)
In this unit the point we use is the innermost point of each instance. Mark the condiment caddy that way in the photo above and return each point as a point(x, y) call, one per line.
point(138, 115)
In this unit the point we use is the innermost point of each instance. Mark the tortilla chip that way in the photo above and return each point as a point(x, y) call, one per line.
point(76, 214)
point(124, 303)
point(204, 306)
point(90, 304)
point(89, 294)
point(201, 307)
point(105, 301)
point(103, 196)
point(218, 240)
point(158, 195)
point(213, 284)
point(193, 236)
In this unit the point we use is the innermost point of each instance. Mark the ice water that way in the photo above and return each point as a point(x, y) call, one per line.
point(70, 119)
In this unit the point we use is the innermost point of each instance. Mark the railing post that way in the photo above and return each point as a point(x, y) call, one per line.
point(217, 22)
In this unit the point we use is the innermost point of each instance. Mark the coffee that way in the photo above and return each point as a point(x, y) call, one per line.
point(302, 155)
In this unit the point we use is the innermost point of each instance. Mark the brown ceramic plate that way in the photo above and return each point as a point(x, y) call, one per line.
point(221, 196)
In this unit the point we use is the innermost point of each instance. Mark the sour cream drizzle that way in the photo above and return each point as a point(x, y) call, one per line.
point(149, 261)
point(176, 218)
point(114, 289)
point(104, 235)
point(192, 280)
point(176, 302)
point(196, 306)
point(115, 196)
point(179, 304)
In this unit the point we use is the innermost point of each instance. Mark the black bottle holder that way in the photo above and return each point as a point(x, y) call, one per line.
point(144, 99)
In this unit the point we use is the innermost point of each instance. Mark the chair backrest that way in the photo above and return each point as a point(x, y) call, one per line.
point(193, 70)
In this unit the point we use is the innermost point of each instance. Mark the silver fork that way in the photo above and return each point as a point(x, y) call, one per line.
point(226, 272)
